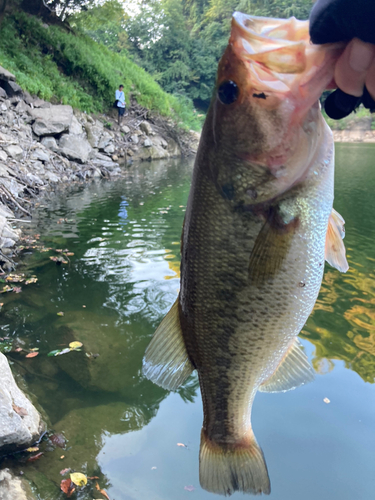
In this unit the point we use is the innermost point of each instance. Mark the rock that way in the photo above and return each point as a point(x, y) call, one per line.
point(22, 107)
point(100, 156)
point(147, 143)
point(125, 129)
point(13, 487)
point(3, 156)
point(51, 177)
point(53, 120)
point(40, 154)
point(114, 157)
point(3, 94)
point(14, 151)
point(20, 422)
point(110, 148)
point(129, 152)
point(6, 75)
point(75, 127)
point(106, 164)
point(39, 103)
point(50, 143)
point(11, 88)
point(134, 138)
point(105, 139)
point(94, 133)
point(146, 128)
point(97, 173)
point(75, 148)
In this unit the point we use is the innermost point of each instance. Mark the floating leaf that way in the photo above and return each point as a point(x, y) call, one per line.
point(326, 400)
point(93, 477)
point(31, 280)
point(32, 354)
point(64, 471)
point(69, 254)
point(17, 289)
point(64, 351)
point(34, 349)
point(35, 457)
point(32, 449)
point(189, 488)
point(67, 487)
point(54, 353)
point(75, 345)
point(182, 444)
point(60, 313)
point(18, 349)
point(78, 478)
point(104, 493)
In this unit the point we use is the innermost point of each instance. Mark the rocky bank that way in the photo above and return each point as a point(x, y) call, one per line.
point(43, 145)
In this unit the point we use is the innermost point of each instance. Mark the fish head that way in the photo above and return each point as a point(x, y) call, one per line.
point(266, 119)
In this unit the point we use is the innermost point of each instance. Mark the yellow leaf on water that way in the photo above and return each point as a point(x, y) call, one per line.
point(75, 345)
point(60, 313)
point(32, 449)
point(78, 478)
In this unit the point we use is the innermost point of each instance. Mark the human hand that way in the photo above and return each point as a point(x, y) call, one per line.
point(344, 20)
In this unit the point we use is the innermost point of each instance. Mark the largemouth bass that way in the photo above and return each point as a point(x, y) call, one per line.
point(259, 225)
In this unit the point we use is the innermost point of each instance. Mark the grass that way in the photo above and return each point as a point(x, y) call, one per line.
point(74, 69)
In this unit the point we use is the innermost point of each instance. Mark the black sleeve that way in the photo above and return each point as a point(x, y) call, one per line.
point(342, 20)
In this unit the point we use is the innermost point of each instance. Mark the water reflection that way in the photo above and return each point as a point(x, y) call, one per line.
point(125, 271)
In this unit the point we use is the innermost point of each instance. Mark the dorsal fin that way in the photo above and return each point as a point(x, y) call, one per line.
point(166, 362)
point(335, 248)
point(293, 371)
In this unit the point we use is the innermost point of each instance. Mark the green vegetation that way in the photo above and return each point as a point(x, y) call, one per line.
point(178, 41)
point(56, 65)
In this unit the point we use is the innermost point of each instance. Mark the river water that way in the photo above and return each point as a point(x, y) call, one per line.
point(141, 441)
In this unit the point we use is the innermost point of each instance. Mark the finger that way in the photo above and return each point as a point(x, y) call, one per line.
point(352, 66)
point(370, 79)
point(338, 104)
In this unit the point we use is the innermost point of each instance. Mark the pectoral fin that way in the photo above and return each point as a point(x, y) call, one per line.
point(166, 361)
point(271, 247)
point(293, 371)
point(335, 248)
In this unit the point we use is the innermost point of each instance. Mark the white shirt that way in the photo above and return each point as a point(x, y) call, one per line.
point(120, 98)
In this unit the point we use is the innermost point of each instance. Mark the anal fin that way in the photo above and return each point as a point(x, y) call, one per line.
point(335, 248)
point(293, 371)
point(166, 362)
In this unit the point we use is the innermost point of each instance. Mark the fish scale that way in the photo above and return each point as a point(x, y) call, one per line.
point(259, 224)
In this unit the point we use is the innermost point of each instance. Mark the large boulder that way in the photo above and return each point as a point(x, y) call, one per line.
point(146, 128)
point(53, 120)
point(13, 487)
point(20, 422)
point(75, 147)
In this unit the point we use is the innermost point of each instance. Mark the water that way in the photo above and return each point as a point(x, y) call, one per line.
point(114, 290)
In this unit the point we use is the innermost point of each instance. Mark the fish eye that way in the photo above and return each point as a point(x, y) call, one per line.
point(228, 92)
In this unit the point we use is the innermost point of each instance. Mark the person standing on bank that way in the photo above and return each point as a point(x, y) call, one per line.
point(120, 98)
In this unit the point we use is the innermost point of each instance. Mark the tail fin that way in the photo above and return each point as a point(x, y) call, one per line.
point(224, 470)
